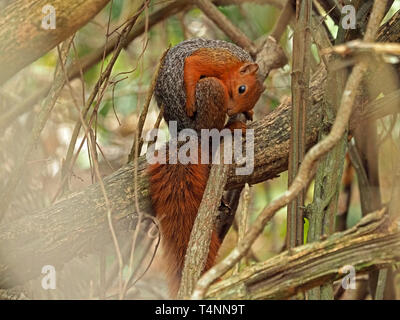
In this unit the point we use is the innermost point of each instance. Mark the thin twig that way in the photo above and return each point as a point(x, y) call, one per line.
point(357, 46)
point(226, 25)
point(145, 110)
point(139, 213)
point(283, 20)
point(103, 79)
point(157, 124)
point(92, 149)
point(243, 218)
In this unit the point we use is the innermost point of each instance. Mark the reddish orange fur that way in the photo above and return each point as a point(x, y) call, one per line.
point(177, 191)
point(233, 73)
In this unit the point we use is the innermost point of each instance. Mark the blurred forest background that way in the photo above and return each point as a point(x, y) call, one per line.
point(118, 108)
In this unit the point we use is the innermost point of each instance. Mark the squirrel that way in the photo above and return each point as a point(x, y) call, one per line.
point(238, 79)
point(200, 82)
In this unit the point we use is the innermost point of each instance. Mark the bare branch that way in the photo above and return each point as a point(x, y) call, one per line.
point(301, 68)
point(226, 25)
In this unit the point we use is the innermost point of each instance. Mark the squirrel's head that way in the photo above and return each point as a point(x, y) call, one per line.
point(245, 89)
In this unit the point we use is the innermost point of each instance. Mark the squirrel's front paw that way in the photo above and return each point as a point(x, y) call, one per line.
point(190, 109)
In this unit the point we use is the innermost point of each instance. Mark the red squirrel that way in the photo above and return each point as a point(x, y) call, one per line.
point(212, 71)
point(239, 79)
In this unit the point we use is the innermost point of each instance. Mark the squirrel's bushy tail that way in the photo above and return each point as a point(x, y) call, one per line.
point(176, 192)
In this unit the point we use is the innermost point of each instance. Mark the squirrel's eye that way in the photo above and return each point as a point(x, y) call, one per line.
point(242, 89)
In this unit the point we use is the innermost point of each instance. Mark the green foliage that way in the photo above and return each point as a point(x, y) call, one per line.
point(117, 7)
point(261, 22)
point(274, 103)
point(174, 31)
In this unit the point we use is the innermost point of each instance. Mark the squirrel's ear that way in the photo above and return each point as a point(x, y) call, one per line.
point(249, 68)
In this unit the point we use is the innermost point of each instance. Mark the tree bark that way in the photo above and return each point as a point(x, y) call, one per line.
point(373, 241)
point(22, 38)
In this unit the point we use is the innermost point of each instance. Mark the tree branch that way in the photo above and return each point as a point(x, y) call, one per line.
point(373, 241)
point(23, 40)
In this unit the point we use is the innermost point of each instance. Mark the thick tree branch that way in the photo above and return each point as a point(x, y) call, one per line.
point(200, 237)
point(373, 241)
point(22, 38)
point(300, 82)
